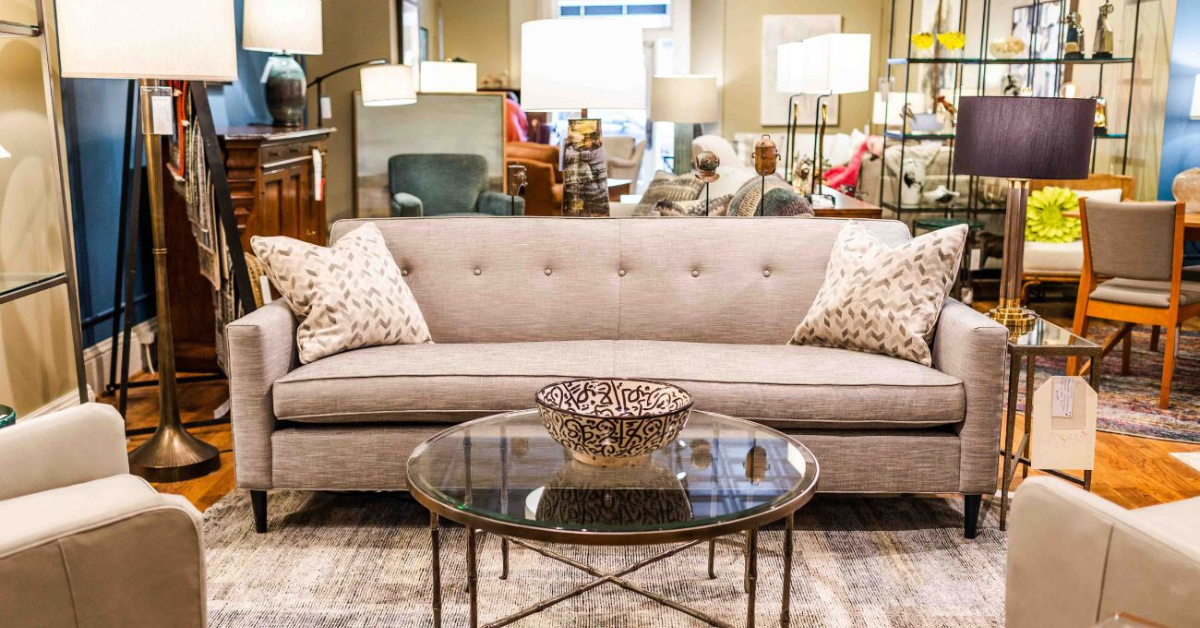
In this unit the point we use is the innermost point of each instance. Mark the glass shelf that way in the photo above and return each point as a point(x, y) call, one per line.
point(16, 285)
point(13, 29)
point(1016, 61)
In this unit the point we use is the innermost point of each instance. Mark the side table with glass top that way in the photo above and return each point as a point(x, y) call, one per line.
point(1045, 339)
point(504, 475)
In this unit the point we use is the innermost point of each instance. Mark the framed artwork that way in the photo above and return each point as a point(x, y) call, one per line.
point(1041, 30)
point(408, 40)
point(776, 31)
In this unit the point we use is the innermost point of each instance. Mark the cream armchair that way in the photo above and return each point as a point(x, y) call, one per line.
point(83, 544)
point(1075, 559)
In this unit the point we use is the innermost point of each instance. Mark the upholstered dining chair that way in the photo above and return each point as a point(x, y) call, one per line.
point(624, 155)
point(1133, 274)
point(445, 183)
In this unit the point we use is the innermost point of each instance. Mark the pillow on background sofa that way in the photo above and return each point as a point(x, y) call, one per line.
point(880, 299)
point(668, 187)
point(347, 296)
point(781, 199)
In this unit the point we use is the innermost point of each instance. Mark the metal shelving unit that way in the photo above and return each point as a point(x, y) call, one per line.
point(16, 286)
point(981, 61)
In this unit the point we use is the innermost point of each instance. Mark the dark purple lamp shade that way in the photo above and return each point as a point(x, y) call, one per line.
point(1024, 137)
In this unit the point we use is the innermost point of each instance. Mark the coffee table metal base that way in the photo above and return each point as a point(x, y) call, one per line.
point(750, 580)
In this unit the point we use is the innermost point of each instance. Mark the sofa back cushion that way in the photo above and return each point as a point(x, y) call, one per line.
point(488, 279)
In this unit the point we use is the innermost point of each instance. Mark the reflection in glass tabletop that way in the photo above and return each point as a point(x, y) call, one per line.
point(506, 469)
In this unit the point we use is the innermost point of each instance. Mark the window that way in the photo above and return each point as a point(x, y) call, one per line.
point(648, 13)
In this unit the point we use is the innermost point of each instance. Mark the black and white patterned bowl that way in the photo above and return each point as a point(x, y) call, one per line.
point(613, 422)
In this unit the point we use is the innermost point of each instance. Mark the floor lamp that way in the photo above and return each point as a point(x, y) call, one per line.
point(382, 85)
point(833, 64)
point(688, 101)
point(1021, 138)
point(153, 40)
point(574, 65)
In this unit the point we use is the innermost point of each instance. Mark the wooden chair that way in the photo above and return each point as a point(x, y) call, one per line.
point(1140, 246)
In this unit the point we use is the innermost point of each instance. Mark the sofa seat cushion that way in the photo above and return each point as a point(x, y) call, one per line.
point(786, 386)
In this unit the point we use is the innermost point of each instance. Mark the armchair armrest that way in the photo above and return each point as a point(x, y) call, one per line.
point(406, 205)
point(262, 348)
point(971, 347)
point(76, 445)
point(498, 204)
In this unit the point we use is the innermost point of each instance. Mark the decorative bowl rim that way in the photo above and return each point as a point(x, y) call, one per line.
point(686, 407)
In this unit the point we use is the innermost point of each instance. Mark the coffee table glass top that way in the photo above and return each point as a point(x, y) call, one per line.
point(508, 469)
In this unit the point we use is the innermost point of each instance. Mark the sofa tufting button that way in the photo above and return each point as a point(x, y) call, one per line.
point(766, 273)
point(548, 271)
point(478, 272)
point(621, 272)
point(404, 272)
point(695, 273)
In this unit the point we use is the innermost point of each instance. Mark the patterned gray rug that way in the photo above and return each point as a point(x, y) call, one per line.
point(362, 561)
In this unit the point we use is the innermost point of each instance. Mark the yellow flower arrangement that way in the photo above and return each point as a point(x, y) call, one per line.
point(952, 40)
point(922, 41)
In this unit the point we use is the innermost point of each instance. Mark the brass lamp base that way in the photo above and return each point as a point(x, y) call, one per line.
point(1019, 320)
point(173, 455)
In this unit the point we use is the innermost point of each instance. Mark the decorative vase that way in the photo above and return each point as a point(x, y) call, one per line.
point(286, 90)
point(1186, 186)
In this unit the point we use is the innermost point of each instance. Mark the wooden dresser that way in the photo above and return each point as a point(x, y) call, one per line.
point(271, 178)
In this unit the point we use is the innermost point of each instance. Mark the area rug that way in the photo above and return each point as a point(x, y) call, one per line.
point(362, 561)
point(1128, 404)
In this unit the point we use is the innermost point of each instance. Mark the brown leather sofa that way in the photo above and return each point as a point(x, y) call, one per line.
point(543, 196)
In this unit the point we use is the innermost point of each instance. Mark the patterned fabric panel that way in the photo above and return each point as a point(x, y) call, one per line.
point(880, 299)
point(669, 187)
point(347, 297)
point(746, 200)
point(716, 207)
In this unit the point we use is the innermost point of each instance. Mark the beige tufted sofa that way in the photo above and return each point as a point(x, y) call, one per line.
point(517, 303)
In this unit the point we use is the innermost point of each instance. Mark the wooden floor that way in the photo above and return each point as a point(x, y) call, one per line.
point(1130, 471)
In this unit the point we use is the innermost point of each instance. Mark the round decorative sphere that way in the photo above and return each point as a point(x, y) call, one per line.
point(613, 422)
point(1186, 186)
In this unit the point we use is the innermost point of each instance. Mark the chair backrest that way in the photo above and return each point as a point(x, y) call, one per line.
point(618, 146)
point(1131, 240)
point(1095, 181)
point(446, 183)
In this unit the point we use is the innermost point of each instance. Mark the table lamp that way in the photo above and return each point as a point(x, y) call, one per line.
point(449, 77)
point(562, 69)
point(150, 40)
point(834, 63)
point(789, 79)
point(284, 28)
point(688, 101)
point(1021, 138)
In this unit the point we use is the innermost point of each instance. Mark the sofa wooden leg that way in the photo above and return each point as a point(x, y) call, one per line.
point(971, 515)
point(258, 502)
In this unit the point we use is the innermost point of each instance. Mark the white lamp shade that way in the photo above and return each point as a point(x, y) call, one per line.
point(837, 63)
point(151, 39)
point(690, 98)
point(895, 107)
point(448, 77)
point(789, 73)
point(571, 64)
point(387, 85)
point(292, 26)
point(1195, 115)
point(4, 154)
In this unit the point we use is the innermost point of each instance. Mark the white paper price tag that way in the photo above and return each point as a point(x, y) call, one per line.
point(162, 113)
point(976, 260)
point(326, 108)
point(1063, 397)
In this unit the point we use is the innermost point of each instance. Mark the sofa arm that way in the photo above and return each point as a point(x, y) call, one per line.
point(971, 347)
point(262, 348)
point(405, 205)
point(497, 204)
point(79, 556)
point(76, 445)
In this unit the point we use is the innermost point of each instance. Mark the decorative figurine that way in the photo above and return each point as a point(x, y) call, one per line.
point(518, 178)
point(706, 164)
point(766, 159)
point(1073, 49)
point(1101, 116)
point(1104, 34)
point(756, 464)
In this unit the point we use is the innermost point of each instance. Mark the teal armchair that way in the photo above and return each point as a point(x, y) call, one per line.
point(439, 184)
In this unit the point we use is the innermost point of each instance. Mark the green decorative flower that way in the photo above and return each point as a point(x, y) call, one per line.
point(1045, 222)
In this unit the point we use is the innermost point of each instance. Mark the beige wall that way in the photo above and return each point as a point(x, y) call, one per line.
point(36, 357)
point(743, 54)
point(477, 30)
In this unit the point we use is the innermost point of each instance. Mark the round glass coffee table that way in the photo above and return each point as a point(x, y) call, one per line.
point(504, 475)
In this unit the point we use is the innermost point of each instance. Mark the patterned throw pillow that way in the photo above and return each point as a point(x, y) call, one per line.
point(348, 296)
point(717, 207)
point(666, 186)
point(880, 299)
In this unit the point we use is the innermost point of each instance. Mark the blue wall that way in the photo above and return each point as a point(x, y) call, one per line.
point(1181, 135)
point(94, 119)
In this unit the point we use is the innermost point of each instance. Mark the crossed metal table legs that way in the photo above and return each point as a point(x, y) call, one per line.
point(750, 579)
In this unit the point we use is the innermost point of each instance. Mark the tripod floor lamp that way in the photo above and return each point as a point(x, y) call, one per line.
point(1022, 138)
point(153, 40)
